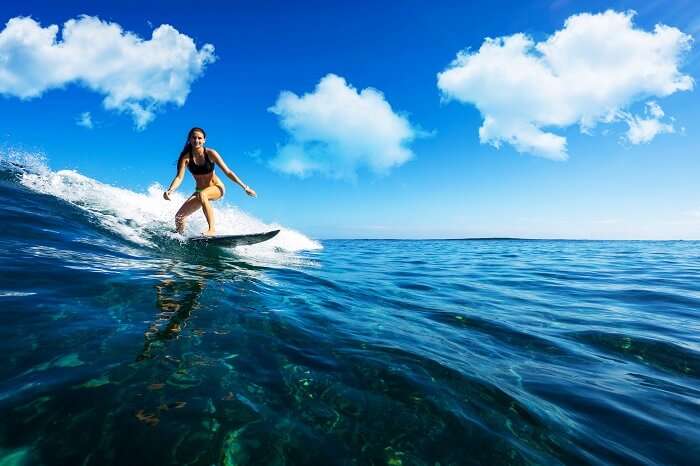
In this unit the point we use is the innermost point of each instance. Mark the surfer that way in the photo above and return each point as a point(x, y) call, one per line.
point(200, 161)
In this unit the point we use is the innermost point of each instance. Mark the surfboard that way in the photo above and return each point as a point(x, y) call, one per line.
point(230, 241)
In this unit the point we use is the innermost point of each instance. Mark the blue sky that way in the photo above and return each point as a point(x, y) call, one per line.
point(404, 160)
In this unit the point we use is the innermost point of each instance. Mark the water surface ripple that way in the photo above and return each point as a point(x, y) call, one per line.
point(365, 352)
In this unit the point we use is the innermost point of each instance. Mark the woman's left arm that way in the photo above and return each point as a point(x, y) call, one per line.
point(220, 162)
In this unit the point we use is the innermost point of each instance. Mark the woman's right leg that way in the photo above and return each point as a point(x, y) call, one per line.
point(190, 206)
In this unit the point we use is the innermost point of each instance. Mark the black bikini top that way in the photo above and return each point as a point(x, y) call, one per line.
point(204, 169)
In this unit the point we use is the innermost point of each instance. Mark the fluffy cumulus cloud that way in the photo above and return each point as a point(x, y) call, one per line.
point(590, 72)
point(336, 130)
point(136, 76)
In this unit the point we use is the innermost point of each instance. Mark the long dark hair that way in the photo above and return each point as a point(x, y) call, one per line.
point(188, 147)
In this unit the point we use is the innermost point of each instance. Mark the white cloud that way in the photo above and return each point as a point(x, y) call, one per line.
point(136, 76)
point(85, 120)
point(587, 73)
point(335, 130)
point(643, 130)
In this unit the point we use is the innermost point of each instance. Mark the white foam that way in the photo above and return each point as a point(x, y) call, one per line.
point(140, 216)
point(4, 294)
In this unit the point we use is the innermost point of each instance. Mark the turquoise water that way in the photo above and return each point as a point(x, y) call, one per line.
point(126, 351)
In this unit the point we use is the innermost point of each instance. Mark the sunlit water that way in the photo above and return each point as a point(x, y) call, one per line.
point(123, 345)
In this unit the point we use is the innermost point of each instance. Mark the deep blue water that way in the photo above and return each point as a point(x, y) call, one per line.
point(360, 353)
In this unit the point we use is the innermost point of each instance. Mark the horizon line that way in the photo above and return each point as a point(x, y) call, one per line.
point(505, 238)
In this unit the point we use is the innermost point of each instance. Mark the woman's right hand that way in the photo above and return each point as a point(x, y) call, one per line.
point(166, 195)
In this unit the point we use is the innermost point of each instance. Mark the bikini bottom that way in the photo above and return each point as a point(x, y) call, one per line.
point(198, 190)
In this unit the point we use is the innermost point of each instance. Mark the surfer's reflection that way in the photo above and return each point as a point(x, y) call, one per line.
point(177, 296)
point(176, 301)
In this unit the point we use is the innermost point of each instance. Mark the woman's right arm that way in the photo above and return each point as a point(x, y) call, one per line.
point(181, 164)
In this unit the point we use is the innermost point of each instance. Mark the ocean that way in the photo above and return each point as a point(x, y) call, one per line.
point(124, 345)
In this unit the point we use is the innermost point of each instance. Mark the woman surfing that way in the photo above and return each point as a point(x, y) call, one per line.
point(200, 161)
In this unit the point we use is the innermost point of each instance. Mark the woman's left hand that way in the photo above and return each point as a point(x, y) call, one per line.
point(249, 191)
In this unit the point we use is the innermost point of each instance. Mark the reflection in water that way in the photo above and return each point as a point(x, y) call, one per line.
point(176, 301)
point(178, 295)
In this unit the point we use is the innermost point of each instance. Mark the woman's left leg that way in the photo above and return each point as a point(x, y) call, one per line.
point(212, 193)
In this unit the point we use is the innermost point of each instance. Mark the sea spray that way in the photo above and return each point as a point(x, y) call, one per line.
point(144, 218)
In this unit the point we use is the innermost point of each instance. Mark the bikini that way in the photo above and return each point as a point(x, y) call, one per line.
point(204, 169)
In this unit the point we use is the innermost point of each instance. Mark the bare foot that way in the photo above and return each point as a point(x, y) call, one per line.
point(209, 232)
